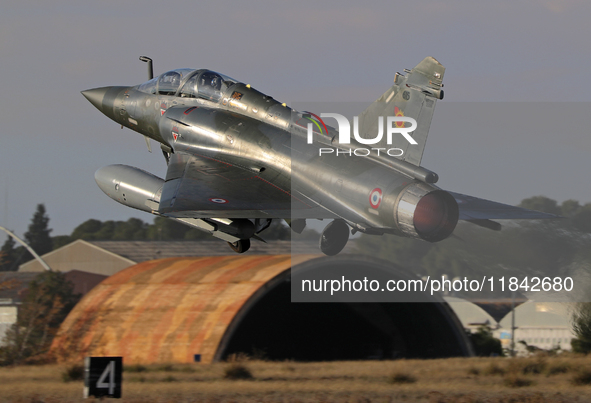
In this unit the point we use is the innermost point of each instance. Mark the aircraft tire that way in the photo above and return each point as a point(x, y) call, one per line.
point(334, 237)
point(240, 246)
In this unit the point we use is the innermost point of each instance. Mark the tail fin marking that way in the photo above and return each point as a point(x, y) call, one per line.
point(413, 95)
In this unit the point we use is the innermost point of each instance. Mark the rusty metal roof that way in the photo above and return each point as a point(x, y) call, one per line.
point(166, 310)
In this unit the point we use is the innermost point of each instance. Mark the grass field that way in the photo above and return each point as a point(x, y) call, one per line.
point(463, 380)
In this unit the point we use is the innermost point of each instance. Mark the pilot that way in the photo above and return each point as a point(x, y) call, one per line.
point(210, 84)
point(216, 82)
point(169, 82)
point(212, 80)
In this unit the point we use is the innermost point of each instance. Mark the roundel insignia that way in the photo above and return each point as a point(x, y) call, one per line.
point(375, 198)
point(218, 200)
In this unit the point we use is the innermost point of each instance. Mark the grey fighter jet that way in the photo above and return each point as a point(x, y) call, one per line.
point(237, 159)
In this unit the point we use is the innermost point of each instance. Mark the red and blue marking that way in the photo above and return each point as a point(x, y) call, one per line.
point(375, 198)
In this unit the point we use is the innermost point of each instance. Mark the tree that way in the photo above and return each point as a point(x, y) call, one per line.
point(582, 218)
point(107, 230)
point(95, 230)
point(193, 234)
point(541, 203)
point(38, 234)
point(278, 230)
point(60, 240)
point(87, 230)
point(485, 345)
point(132, 229)
point(569, 207)
point(8, 255)
point(165, 229)
point(405, 252)
point(48, 300)
point(581, 319)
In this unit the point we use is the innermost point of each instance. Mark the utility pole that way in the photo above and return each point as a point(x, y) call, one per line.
point(513, 324)
point(41, 261)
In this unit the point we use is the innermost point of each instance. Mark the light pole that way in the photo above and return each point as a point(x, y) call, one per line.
point(41, 261)
point(513, 324)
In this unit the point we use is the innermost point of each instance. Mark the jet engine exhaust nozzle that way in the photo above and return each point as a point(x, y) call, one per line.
point(427, 213)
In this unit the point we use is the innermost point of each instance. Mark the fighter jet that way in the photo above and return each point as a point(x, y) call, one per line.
point(238, 159)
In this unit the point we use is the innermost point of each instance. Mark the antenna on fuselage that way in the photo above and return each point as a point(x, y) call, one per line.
point(150, 69)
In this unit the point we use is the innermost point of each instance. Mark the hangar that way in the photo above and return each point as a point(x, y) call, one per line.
point(178, 310)
point(471, 315)
point(541, 325)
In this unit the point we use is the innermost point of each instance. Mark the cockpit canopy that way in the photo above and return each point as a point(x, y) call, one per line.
point(204, 84)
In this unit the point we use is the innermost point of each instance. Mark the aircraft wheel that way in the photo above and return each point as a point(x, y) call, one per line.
point(334, 237)
point(240, 246)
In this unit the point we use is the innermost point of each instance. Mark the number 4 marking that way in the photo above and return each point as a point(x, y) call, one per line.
point(110, 371)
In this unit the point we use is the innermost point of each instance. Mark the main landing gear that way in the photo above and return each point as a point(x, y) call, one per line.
point(334, 237)
point(240, 246)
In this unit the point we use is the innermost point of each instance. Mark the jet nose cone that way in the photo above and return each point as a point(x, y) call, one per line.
point(96, 96)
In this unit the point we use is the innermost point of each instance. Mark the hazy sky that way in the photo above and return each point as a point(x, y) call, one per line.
point(530, 58)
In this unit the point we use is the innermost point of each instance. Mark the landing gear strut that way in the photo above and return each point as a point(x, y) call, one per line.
point(240, 246)
point(334, 237)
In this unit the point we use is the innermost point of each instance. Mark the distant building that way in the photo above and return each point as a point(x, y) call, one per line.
point(13, 286)
point(470, 315)
point(13, 290)
point(83, 256)
point(543, 325)
point(82, 281)
point(8, 315)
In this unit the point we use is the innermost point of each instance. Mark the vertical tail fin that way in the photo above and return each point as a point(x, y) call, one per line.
point(413, 95)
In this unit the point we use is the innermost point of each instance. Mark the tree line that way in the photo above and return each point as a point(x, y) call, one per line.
point(161, 229)
point(522, 247)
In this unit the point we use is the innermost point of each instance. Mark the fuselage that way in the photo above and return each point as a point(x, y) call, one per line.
point(206, 114)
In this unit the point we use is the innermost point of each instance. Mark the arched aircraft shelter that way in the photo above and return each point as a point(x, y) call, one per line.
point(169, 310)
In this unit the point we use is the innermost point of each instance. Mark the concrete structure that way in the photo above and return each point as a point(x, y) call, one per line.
point(13, 287)
point(109, 257)
point(470, 315)
point(170, 310)
point(80, 255)
point(544, 325)
point(8, 315)
point(82, 281)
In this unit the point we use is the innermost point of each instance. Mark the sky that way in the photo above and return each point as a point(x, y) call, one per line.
point(513, 123)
